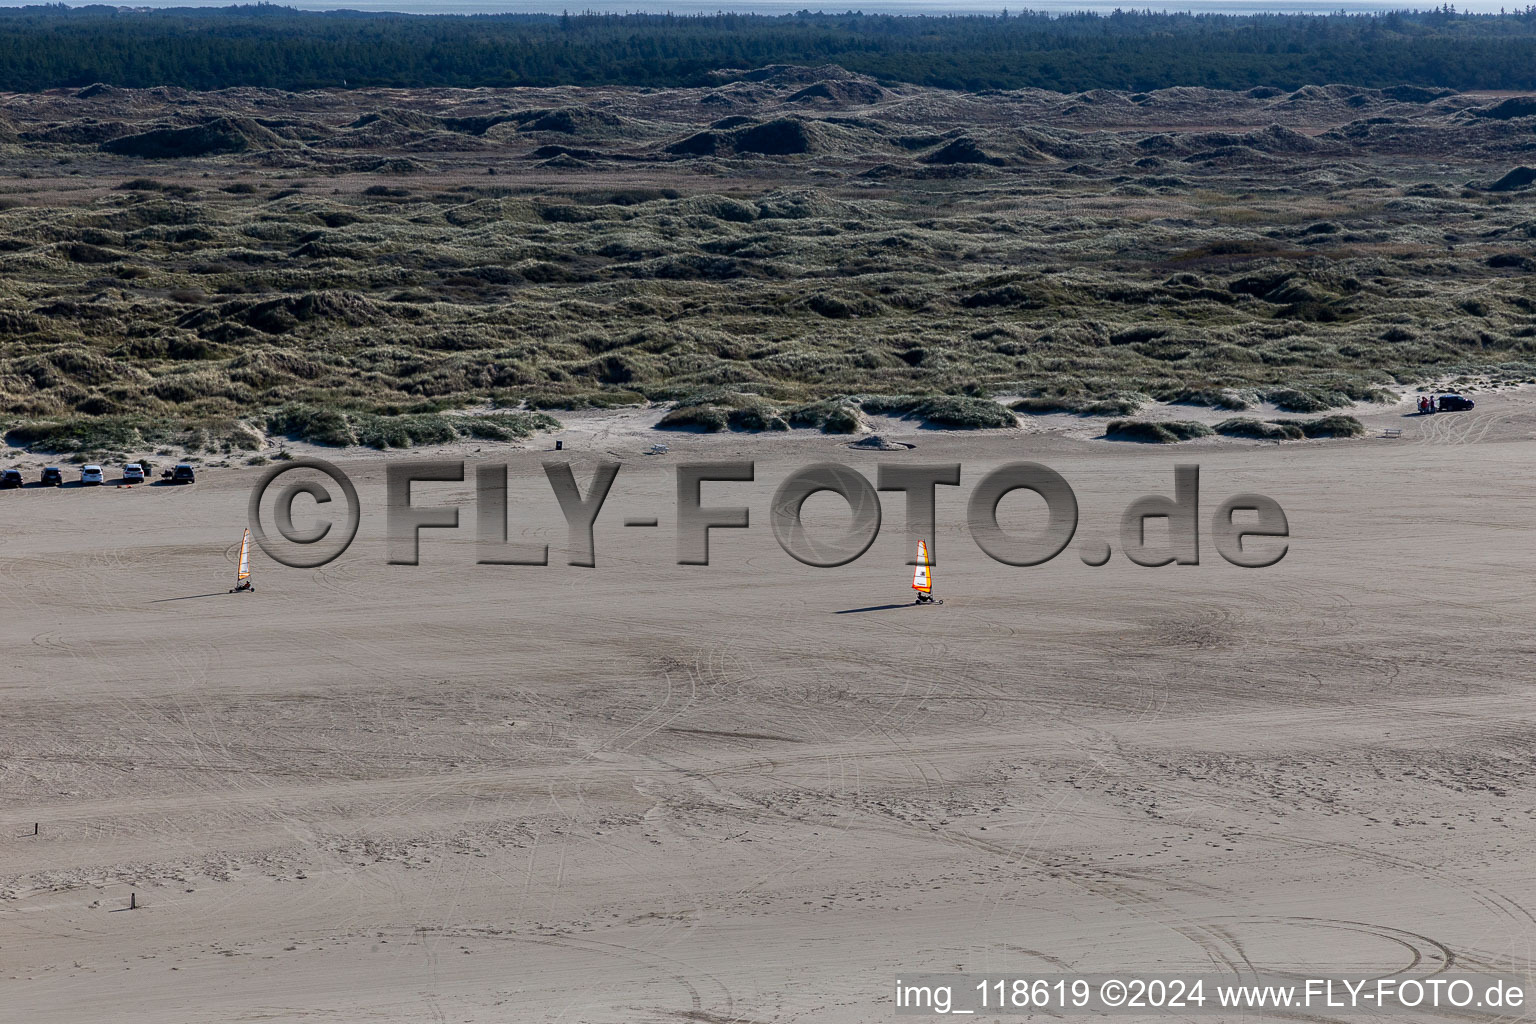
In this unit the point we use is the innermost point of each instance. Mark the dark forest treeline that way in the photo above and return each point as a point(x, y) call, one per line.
point(52, 47)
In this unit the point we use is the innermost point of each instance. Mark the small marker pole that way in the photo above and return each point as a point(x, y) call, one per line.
point(133, 901)
point(37, 828)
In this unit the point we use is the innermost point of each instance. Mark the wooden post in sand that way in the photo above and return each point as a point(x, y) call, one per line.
point(37, 828)
point(133, 901)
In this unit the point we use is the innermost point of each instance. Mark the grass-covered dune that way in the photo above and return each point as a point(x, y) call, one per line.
point(198, 266)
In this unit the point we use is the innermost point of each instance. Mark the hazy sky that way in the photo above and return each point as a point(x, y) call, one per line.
point(877, 6)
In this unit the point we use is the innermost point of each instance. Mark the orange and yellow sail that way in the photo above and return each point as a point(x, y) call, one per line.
point(244, 572)
point(922, 578)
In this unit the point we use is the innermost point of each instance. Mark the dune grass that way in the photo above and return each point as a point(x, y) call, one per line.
point(343, 283)
point(1156, 432)
point(331, 427)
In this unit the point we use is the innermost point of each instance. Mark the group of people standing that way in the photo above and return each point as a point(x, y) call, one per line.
point(1427, 403)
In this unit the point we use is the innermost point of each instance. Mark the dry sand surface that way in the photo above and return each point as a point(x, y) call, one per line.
point(755, 791)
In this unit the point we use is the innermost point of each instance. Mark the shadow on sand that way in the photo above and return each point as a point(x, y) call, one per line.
point(190, 597)
point(874, 608)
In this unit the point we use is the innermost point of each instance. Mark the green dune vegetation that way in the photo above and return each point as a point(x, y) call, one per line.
point(797, 248)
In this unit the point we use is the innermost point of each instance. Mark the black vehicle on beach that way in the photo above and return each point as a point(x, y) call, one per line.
point(182, 474)
point(10, 479)
point(1453, 403)
point(52, 476)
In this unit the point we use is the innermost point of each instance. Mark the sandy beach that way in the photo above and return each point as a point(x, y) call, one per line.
point(755, 790)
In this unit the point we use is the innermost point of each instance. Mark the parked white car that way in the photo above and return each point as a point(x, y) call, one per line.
point(90, 476)
point(133, 473)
